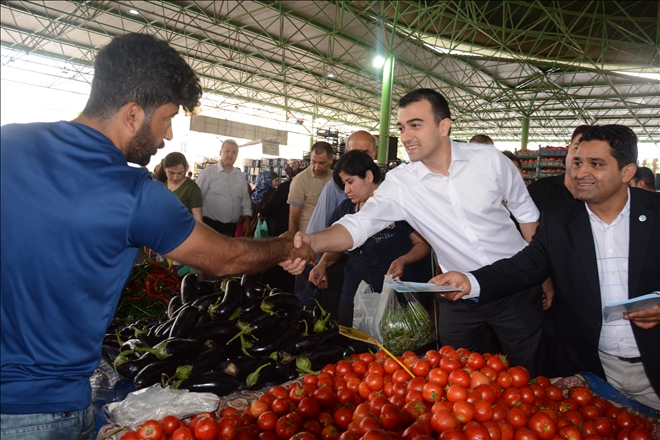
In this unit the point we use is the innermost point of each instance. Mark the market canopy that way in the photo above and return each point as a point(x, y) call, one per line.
point(555, 64)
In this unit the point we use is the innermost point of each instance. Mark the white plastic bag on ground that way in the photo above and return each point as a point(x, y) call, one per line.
point(156, 402)
point(368, 308)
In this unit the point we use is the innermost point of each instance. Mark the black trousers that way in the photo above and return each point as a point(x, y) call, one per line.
point(517, 320)
point(228, 229)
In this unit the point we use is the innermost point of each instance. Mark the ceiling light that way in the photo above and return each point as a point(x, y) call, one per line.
point(378, 62)
point(134, 11)
point(330, 75)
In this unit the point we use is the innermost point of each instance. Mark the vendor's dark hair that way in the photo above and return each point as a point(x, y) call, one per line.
point(355, 163)
point(438, 102)
point(622, 140)
point(174, 159)
point(140, 68)
point(579, 130)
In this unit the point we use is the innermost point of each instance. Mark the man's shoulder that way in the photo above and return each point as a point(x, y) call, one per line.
point(650, 198)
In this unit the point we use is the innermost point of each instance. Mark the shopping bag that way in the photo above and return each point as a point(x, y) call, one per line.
point(368, 307)
point(261, 231)
point(405, 323)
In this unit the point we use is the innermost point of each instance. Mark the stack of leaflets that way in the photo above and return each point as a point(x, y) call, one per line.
point(614, 311)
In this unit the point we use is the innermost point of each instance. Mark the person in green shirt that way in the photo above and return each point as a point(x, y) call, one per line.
point(175, 167)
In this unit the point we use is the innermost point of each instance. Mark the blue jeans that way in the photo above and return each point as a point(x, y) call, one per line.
point(76, 425)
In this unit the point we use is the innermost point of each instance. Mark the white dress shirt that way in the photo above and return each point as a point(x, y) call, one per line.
point(612, 247)
point(225, 197)
point(461, 215)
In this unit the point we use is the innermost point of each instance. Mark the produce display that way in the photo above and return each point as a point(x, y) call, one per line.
point(454, 394)
point(219, 336)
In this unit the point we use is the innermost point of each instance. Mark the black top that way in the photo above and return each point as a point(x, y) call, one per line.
point(276, 210)
point(549, 192)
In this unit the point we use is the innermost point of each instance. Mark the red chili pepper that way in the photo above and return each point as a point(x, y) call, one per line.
point(147, 284)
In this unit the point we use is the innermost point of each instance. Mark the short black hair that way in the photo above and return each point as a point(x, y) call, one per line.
point(645, 174)
point(580, 129)
point(512, 157)
point(482, 139)
point(321, 147)
point(622, 140)
point(174, 159)
point(140, 68)
point(438, 102)
point(355, 163)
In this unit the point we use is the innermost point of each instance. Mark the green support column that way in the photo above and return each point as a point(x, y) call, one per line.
point(385, 110)
point(525, 133)
point(311, 138)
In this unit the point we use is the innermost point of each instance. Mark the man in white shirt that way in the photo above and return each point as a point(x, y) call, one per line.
point(452, 195)
point(601, 248)
point(225, 197)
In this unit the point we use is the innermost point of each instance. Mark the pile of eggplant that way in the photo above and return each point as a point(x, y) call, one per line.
point(221, 336)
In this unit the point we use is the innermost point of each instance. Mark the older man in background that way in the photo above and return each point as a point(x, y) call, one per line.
point(225, 197)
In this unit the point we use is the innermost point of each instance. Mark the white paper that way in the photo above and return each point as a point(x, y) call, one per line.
point(615, 311)
point(408, 286)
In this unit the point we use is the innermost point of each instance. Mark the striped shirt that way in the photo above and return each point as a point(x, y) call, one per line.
point(611, 242)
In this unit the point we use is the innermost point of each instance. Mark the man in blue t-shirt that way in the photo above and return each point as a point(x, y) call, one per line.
point(74, 215)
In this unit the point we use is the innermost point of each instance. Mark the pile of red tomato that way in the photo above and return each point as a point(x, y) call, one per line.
point(454, 395)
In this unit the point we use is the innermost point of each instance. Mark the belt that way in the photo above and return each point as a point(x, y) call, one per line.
point(634, 360)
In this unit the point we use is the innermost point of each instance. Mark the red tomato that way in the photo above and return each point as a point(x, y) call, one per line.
point(313, 427)
point(150, 430)
point(433, 357)
point(391, 416)
point(582, 395)
point(519, 376)
point(367, 424)
point(267, 420)
point(543, 425)
point(486, 393)
point(374, 381)
point(258, 407)
point(489, 373)
point(476, 361)
point(442, 420)
point(495, 363)
point(329, 432)
point(309, 408)
point(460, 377)
point(169, 424)
point(478, 378)
point(451, 434)
point(325, 397)
point(504, 379)
point(438, 376)
point(421, 367)
point(493, 429)
point(432, 392)
point(639, 434)
point(132, 435)
point(624, 420)
point(287, 426)
point(349, 435)
point(250, 432)
point(517, 417)
point(296, 394)
point(590, 412)
point(415, 409)
point(455, 393)
point(416, 384)
point(603, 426)
point(207, 429)
point(449, 364)
point(574, 416)
point(512, 396)
point(281, 406)
point(463, 411)
point(277, 391)
point(507, 430)
point(569, 433)
point(400, 376)
point(500, 413)
point(226, 428)
point(554, 393)
point(483, 411)
point(342, 417)
point(360, 367)
point(525, 434)
point(376, 367)
point(183, 433)
point(476, 431)
point(268, 435)
point(376, 405)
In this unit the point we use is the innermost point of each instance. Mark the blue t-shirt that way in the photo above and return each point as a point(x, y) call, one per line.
point(73, 217)
point(375, 255)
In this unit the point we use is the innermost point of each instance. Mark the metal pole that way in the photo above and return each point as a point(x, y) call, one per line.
point(525, 133)
point(385, 110)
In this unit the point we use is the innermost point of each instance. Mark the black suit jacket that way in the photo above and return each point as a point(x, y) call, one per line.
point(563, 248)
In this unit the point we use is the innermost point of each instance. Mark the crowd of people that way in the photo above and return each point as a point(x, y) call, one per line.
point(579, 241)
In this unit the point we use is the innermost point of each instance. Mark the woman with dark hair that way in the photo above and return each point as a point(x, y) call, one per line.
point(391, 251)
point(175, 167)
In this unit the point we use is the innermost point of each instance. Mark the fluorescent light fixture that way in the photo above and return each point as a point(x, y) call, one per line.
point(330, 75)
point(378, 62)
point(451, 51)
point(134, 12)
point(655, 76)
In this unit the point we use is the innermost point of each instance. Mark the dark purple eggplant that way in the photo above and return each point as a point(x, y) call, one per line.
point(128, 368)
point(266, 346)
point(207, 287)
point(149, 341)
point(241, 367)
point(251, 316)
point(163, 329)
point(259, 327)
point(176, 348)
point(174, 305)
point(259, 377)
point(284, 372)
point(230, 302)
point(300, 345)
point(319, 358)
point(218, 331)
point(215, 382)
point(207, 361)
point(110, 339)
point(252, 289)
point(189, 288)
point(333, 337)
point(131, 344)
point(185, 322)
point(251, 306)
point(306, 322)
point(205, 301)
point(278, 301)
point(153, 373)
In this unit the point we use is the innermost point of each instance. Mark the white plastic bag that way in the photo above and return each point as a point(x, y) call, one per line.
point(156, 402)
point(368, 307)
point(405, 324)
